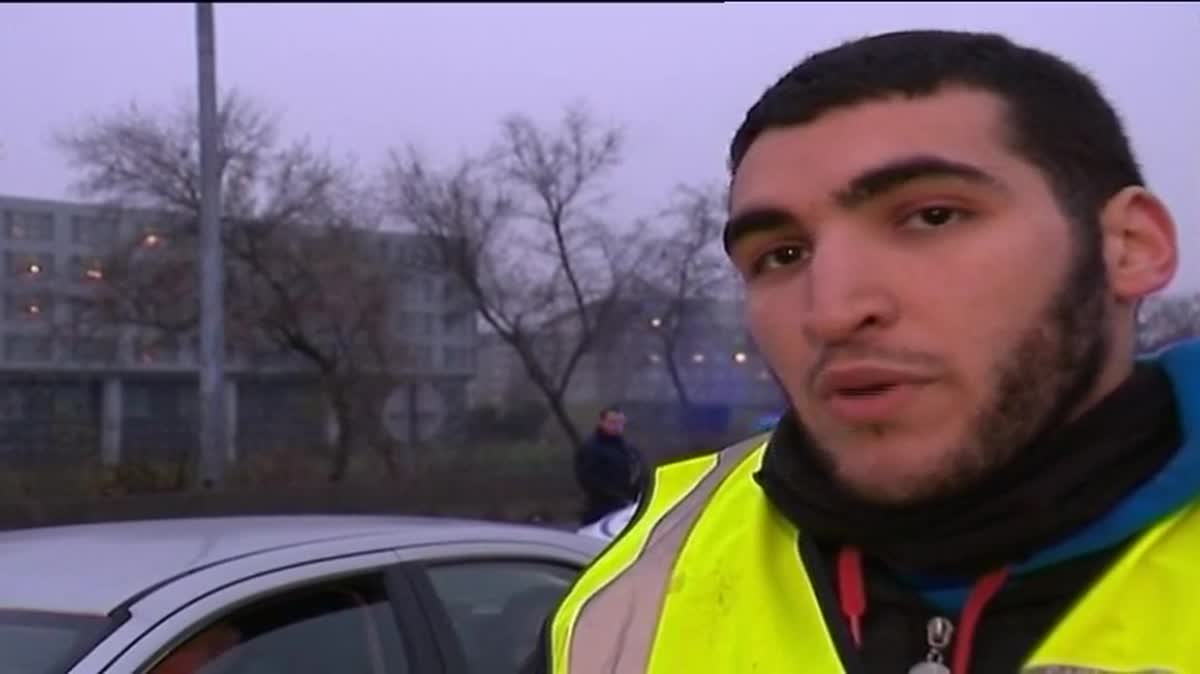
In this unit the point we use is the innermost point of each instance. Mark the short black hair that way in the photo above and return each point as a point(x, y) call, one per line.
point(610, 409)
point(1057, 116)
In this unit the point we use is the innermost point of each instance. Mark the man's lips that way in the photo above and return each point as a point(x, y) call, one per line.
point(868, 393)
point(865, 379)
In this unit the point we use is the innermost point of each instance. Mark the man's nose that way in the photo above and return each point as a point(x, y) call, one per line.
point(847, 290)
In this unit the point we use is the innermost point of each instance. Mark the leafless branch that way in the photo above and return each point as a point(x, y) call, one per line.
point(303, 272)
point(518, 230)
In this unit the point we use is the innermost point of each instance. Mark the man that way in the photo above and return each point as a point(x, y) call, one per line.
point(944, 238)
point(607, 467)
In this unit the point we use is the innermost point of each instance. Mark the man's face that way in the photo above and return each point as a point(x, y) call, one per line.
point(919, 293)
point(613, 423)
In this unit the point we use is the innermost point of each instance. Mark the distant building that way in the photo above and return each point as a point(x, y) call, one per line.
point(725, 380)
point(114, 391)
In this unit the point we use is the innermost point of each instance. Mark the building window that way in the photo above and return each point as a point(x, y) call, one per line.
point(93, 230)
point(29, 266)
point(416, 324)
point(137, 402)
point(187, 403)
point(457, 358)
point(28, 226)
point(12, 404)
point(411, 253)
point(453, 293)
point(420, 290)
point(457, 324)
point(71, 403)
point(94, 349)
point(87, 268)
point(27, 307)
point(88, 311)
point(420, 356)
point(155, 350)
point(27, 348)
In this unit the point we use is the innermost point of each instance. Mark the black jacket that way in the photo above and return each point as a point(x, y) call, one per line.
point(609, 469)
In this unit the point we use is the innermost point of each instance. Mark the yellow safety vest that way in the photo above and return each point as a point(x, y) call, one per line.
point(708, 579)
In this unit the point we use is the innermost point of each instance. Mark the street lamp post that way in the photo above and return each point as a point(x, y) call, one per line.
point(213, 419)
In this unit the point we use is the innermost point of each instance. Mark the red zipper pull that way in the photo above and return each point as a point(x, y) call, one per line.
point(851, 590)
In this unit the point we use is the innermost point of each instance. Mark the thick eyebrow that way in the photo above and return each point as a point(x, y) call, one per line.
point(754, 221)
point(864, 187)
point(895, 174)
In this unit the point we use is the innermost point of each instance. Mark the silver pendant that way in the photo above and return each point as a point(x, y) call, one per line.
point(928, 667)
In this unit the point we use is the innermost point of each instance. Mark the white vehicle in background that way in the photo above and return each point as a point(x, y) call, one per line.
point(611, 525)
point(608, 527)
point(281, 595)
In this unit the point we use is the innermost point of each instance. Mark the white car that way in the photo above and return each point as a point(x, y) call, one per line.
point(608, 527)
point(280, 595)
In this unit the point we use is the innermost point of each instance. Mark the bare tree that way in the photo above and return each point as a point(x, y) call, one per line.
point(303, 277)
point(688, 273)
point(518, 227)
point(321, 295)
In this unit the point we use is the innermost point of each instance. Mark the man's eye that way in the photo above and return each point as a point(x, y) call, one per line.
point(934, 217)
point(780, 257)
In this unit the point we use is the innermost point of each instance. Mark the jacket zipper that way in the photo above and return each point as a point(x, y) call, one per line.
point(939, 634)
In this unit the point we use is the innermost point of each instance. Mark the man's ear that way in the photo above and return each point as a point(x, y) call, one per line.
point(1141, 253)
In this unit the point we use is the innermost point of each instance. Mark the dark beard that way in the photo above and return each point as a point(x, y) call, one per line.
point(1045, 379)
point(1039, 383)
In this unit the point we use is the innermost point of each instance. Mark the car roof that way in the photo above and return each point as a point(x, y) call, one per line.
point(94, 568)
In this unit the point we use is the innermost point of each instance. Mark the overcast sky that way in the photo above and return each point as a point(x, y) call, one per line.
point(362, 78)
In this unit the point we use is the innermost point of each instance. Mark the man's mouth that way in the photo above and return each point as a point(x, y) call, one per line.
point(868, 393)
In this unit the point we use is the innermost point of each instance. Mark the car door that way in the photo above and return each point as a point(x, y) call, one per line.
point(350, 616)
point(487, 611)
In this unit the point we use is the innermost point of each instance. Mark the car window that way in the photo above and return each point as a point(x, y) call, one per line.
point(346, 627)
point(497, 608)
point(35, 642)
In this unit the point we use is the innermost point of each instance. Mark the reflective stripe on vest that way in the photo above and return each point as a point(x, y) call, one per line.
point(708, 578)
point(607, 621)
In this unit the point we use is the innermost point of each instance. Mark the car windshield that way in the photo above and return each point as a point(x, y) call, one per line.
point(34, 642)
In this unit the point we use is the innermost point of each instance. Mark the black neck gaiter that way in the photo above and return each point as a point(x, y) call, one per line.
point(1051, 488)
